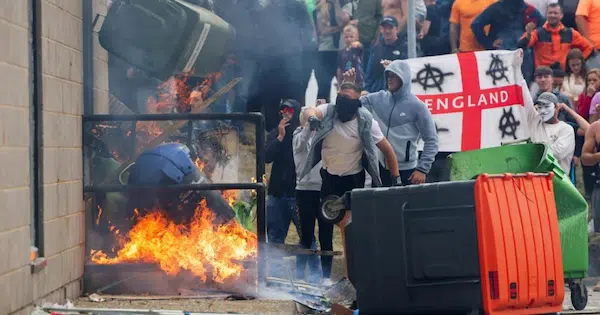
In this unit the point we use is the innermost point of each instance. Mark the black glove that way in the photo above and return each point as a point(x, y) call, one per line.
point(396, 181)
point(314, 122)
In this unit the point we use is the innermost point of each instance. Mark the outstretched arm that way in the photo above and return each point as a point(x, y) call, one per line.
point(581, 122)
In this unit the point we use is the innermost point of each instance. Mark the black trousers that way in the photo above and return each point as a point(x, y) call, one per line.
point(589, 179)
point(336, 185)
point(386, 176)
point(309, 202)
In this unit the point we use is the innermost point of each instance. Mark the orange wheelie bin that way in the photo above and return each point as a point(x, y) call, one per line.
point(519, 244)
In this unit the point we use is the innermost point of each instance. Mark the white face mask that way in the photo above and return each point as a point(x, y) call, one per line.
point(546, 111)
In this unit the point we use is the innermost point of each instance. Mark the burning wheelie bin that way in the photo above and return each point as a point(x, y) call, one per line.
point(570, 204)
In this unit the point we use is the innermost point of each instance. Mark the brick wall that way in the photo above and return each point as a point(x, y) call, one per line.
point(100, 65)
point(63, 213)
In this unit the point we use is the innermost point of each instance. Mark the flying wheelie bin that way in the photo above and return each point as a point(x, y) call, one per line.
point(570, 204)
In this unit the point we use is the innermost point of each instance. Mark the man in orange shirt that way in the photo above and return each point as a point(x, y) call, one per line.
point(463, 13)
point(587, 18)
point(553, 41)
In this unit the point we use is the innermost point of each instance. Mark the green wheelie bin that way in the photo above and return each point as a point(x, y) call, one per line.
point(570, 204)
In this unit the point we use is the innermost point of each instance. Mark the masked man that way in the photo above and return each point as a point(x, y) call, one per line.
point(546, 128)
point(405, 119)
point(346, 139)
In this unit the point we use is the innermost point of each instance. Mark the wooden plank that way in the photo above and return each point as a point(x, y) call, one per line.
point(293, 250)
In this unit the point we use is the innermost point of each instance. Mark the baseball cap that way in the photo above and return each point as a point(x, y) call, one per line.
point(547, 98)
point(542, 71)
point(389, 20)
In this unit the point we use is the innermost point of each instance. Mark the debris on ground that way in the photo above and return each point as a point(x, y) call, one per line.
point(258, 306)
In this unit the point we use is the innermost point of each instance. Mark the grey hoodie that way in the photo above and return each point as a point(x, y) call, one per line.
point(404, 119)
point(301, 145)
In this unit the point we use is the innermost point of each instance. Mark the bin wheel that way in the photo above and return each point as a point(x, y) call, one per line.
point(332, 209)
point(579, 295)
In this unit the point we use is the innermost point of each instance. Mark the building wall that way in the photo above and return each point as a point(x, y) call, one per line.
point(63, 212)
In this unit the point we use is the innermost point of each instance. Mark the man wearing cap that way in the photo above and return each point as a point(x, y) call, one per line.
point(390, 48)
point(546, 128)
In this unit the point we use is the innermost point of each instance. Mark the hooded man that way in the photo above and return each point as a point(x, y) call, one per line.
point(281, 201)
point(404, 120)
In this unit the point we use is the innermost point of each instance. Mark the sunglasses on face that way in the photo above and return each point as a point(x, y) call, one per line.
point(287, 110)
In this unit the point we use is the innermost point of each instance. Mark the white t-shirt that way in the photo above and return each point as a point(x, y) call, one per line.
point(560, 137)
point(342, 149)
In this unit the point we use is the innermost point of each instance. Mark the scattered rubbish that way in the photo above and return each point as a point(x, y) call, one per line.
point(343, 293)
point(58, 310)
point(95, 298)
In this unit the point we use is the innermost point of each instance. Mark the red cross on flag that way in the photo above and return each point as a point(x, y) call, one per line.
point(475, 97)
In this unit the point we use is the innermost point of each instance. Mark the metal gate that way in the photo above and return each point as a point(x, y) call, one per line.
point(92, 187)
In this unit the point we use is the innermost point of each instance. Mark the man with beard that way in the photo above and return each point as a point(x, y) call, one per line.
point(405, 119)
point(347, 140)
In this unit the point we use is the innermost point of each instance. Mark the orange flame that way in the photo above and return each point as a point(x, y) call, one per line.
point(206, 250)
point(230, 196)
point(200, 164)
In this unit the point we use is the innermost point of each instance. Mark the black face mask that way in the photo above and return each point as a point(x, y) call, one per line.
point(346, 108)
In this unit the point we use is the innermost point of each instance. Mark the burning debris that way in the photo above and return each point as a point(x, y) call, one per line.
point(194, 231)
point(192, 235)
point(202, 247)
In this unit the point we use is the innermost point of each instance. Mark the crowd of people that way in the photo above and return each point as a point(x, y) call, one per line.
point(368, 135)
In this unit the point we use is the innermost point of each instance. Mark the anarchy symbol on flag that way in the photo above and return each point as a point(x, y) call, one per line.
point(435, 75)
point(482, 103)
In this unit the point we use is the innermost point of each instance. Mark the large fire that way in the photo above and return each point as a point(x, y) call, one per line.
point(207, 250)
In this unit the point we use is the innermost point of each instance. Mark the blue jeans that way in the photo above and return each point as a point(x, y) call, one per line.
point(281, 211)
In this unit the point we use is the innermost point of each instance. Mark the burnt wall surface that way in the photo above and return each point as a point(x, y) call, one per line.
point(55, 223)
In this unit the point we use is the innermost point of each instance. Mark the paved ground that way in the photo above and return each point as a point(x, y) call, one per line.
point(593, 302)
point(266, 307)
